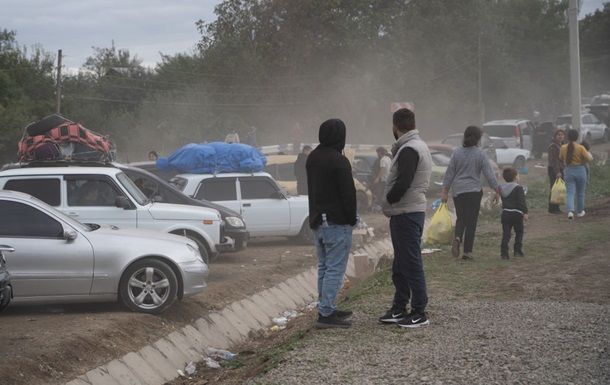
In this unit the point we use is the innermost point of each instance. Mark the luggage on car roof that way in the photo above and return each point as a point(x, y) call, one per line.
point(58, 138)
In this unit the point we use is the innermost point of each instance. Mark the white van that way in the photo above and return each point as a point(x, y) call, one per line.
point(516, 133)
point(105, 195)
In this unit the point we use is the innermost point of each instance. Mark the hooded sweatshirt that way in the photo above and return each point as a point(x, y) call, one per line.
point(513, 197)
point(329, 179)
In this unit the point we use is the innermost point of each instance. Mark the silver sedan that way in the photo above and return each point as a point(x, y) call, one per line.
point(60, 260)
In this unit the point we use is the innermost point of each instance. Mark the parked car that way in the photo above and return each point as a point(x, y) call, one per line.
point(281, 168)
point(456, 140)
point(591, 128)
point(105, 195)
point(266, 209)
point(517, 133)
point(6, 289)
point(58, 259)
point(515, 157)
point(158, 190)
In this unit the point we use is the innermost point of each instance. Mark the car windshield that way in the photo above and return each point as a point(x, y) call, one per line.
point(63, 217)
point(133, 190)
point(501, 130)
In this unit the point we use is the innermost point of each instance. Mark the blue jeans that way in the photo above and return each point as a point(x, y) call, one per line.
point(333, 244)
point(408, 267)
point(576, 184)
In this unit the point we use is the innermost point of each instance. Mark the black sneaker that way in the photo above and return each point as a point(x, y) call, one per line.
point(467, 257)
point(414, 320)
point(455, 247)
point(332, 322)
point(343, 314)
point(504, 256)
point(392, 316)
point(520, 255)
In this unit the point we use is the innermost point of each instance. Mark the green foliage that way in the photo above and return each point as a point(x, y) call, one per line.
point(595, 54)
point(599, 185)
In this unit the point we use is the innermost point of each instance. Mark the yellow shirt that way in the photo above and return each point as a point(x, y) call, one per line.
point(579, 157)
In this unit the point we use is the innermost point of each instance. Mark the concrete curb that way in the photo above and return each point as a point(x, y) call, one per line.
point(159, 362)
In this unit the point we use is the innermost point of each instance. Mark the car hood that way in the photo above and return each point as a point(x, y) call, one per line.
point(168, 211)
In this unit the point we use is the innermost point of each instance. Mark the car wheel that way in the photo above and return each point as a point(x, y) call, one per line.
point(519, 162)
point(362, 202)
point(5, 298)
point(203, 250)
point(306, 234)
point(148, 286)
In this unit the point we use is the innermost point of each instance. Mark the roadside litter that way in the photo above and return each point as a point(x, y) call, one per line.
point(220, 354)
point(188, 371)
point(282, 321)
point(429, 251)
point(211, 363)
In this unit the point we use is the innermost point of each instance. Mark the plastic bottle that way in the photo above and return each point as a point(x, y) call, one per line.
point(324, 221)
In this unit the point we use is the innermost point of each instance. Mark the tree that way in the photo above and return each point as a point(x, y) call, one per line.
point(595, 55)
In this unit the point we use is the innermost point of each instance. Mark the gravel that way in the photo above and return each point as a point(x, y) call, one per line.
point(475, 342)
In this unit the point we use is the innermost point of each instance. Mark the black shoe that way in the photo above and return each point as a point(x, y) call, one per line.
point(343, 314)
point(504, 256)
point(414, 320)
point(519, 255)
point(467, 257)
point(332, 322)
point(455, 247)
point(392, 316)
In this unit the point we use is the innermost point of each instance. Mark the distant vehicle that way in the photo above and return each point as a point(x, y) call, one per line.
point(591, 128)
point(265, 208)
point(515, 157)
point(57, 259)
point(281, 167)
point(456, 140)
point(517, 133)
point(158, 190)
point(103, 194)
point(6, 289)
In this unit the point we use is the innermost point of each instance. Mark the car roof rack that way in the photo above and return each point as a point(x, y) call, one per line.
point(60, 163)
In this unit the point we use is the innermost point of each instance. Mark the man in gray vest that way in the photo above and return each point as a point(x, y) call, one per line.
point(405, 205)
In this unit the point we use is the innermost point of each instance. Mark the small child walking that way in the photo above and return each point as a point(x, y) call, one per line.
point(514, 212)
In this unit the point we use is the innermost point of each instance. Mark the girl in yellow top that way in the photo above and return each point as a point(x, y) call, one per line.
point(575, 156)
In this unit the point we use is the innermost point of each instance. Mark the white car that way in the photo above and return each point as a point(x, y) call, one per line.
point(505, 155)
point(591, 128)
point(105, 195)
point(262, 204)
point(55, 259)
point(517, 133)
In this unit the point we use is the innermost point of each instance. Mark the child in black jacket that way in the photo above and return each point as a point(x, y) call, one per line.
point(514, 212)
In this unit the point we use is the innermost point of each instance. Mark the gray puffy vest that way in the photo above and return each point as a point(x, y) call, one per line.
point(414, 199)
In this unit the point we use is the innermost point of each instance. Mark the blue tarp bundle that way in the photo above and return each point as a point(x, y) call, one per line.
point(214, 158)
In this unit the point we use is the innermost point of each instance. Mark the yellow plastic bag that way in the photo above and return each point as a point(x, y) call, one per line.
point(558, 192)
point(440, 229)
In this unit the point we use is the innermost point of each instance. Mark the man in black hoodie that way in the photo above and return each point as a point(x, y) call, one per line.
point(332, 214)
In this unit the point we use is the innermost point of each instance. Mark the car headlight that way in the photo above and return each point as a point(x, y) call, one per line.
point(235, 222)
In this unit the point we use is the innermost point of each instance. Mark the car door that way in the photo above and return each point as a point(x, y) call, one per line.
point(221, 190)
point(597, 128)
point(93, 198)
point(264, 207)
point(44, 263)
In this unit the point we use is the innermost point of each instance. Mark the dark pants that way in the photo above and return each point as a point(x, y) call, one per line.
point(467, 206)
point(553, 208)
point(408, 267)
point(512, 220)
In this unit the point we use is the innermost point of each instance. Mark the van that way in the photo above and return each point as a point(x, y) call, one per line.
point(515, 133)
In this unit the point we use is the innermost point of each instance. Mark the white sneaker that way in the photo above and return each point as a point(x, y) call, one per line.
point(581, 214)
point(570, 215)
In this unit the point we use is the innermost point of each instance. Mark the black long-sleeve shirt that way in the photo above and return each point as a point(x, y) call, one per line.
point(408, 160)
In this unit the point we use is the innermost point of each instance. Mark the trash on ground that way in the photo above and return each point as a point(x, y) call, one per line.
point(219, 353)
point(276, 328)
point(190, 368)
point(280, 321)
point(538, 165)
point(212, 363)
point(290, 314)
point(312, 305)
point(430, 251)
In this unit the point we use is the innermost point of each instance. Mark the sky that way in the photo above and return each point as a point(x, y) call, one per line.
point(145, 27)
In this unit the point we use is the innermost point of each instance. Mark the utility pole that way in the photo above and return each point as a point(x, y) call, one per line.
point(480, 84)
point(58, 89)
point(574, 63)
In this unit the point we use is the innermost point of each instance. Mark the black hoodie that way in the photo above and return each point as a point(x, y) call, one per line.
point(329, 179)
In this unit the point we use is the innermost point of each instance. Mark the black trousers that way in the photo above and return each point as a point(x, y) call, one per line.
point(512, 220)
point(553, 208)
point(467, 206)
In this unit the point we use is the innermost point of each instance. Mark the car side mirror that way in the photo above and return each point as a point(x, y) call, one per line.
point(70, 235)
point(277, 195)
point(122, 202)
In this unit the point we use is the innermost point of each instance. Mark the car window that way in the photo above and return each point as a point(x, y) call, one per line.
point(285, 172)
point(525, 129)
point(586, 119)
point(45, 189)
point(499, 143)
point(440, 159)
point(594, 119)
point(257, 188)
point(501, 130)
point(83, 191)
point(133, 190)
point(217, 189)
point(21, 220)
point(178, 183)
